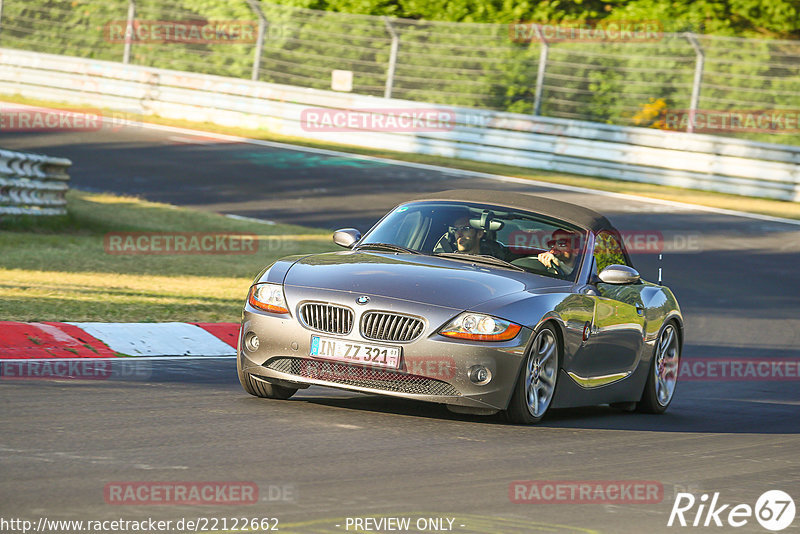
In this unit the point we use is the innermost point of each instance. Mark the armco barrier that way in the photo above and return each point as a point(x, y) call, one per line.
point(698, 161)
point(32, 184)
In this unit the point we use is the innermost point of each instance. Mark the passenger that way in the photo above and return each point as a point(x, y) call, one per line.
point(470, 240)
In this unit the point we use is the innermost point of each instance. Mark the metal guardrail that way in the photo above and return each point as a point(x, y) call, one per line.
point(32, 184)
point(561, 145)
point(541, 67)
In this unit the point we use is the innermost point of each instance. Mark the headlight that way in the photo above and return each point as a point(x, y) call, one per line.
point(479, 327)
point(268, 297)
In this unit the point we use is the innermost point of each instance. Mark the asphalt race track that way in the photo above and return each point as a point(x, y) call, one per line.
point(327, 455)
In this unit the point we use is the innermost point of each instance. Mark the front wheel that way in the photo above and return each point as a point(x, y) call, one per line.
point(663, 375)
point(536, 385)
point(260, 388)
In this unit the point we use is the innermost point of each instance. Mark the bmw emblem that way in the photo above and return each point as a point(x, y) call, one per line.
point(362, 299)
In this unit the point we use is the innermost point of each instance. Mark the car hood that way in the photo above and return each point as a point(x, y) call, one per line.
point(426, 279)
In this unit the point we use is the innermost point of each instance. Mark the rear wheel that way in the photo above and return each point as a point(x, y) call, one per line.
point(663, 376)
point(536, 385)
point(260, 388)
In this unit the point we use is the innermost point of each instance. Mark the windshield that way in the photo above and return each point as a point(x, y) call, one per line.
point(482, 233)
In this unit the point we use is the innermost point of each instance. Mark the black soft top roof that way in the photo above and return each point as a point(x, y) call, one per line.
point(572, 213)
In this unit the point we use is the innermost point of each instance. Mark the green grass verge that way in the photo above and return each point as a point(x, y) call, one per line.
point(776, 208)
point(58, 269)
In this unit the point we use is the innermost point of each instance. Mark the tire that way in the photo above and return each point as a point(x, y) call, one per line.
point(662, 378)
point(260, 388)
point(537, 381)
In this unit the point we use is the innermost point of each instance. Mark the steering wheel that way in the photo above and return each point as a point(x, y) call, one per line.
point(532, 264)
point(444, 244)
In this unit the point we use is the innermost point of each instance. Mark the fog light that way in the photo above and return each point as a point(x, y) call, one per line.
point(251, 342)
point(480, 375)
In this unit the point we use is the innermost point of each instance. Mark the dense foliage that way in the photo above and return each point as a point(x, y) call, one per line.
point(746, 18)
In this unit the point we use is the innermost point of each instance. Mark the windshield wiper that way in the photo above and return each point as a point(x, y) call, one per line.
point(483, 258)
point(388, 246)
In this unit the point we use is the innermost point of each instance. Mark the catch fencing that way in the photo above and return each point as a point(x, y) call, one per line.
point(536, 68)
point(32, 184)
point(553, 144)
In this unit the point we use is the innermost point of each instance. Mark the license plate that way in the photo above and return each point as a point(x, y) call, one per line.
point(354, 352)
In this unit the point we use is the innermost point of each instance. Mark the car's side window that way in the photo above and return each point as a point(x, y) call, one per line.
point(608, 251)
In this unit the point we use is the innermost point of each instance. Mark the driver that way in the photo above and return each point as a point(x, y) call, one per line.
point(467, 238)
point(563, 254)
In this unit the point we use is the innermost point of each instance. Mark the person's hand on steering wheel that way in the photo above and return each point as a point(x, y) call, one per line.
point(549, 260)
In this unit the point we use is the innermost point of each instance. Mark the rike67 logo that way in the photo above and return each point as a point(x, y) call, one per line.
point(774, 510)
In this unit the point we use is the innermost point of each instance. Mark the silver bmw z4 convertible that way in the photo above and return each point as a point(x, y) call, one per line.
point(480, 300)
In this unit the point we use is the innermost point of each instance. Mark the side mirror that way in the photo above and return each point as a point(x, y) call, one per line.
point(346, 237)
point(619, 274)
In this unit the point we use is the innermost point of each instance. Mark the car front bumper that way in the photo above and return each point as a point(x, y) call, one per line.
point(432, 368)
